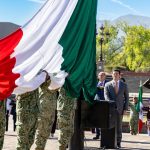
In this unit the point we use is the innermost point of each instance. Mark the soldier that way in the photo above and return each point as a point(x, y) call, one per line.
point(65, 112)
point(134, 117)
point(27, 109)
point(48, 101)
point(2, 123)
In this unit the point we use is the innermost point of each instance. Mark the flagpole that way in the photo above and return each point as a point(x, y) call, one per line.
point(140, 83)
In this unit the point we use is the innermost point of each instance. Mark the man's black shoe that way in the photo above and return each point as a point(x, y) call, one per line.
point(96, 137)
point(119, 145)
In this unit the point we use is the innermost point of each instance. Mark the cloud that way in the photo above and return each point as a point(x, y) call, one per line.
point(126, 6)
point(38, 1)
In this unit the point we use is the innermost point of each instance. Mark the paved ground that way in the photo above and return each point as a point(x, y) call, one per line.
point(130, 142)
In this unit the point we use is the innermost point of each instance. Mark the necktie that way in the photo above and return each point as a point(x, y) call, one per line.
point(116, 87)
point(100, 85)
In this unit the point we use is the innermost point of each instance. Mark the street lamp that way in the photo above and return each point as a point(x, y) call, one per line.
point(102, 33)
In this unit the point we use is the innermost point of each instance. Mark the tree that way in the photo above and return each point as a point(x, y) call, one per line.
point(127, 46)
point(137, 48)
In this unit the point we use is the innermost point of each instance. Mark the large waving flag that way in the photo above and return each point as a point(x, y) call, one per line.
point(139, 108)
point(60, 39)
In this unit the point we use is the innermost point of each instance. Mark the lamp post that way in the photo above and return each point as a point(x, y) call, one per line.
point(101, 61)
point(101, 42)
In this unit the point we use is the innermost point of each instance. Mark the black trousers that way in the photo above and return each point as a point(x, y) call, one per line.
point(98, 132)
point(54, 124)
point(119, 127)
point(14, 120)
point(7, 119)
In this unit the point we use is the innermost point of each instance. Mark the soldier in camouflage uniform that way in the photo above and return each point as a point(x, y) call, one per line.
point(27, 109)
point(65, 112)
point(2, 123)
point(48, 101)
point(134, 117)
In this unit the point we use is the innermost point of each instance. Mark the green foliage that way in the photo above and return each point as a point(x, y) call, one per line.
point(137, 48)
point(131, 50)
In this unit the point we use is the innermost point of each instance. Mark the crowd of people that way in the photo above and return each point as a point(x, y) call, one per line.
point(35, 113)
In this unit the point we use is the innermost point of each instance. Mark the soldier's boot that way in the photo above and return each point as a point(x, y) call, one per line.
point(39, 148)
point(1, 145)
point(62, 148)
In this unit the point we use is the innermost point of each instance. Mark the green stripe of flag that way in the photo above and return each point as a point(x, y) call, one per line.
point(140, 101)
point(79, 50)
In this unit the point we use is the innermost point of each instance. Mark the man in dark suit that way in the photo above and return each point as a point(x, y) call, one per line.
point(117, 91)
point(100, 95)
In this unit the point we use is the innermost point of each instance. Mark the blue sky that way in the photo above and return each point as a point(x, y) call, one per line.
point(111, 9)
point(20, 11)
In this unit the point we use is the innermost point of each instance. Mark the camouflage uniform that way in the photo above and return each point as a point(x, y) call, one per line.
point(2, 123)
point(27, 114)
point(65, 112)
point(48, 101)
point(134, 117)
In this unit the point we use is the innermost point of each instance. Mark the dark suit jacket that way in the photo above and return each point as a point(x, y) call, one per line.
point(121, 99)
point(100, 91)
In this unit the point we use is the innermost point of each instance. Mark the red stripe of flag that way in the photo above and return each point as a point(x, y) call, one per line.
point(7, 77)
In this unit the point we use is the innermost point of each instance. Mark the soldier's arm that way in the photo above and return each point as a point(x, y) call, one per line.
point(131, 106)
point(31, 85)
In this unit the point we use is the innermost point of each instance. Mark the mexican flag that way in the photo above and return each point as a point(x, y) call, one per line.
point(139, 108)
point(59, 39)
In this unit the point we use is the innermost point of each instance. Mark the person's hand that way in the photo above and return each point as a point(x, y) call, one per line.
point(47, 75)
